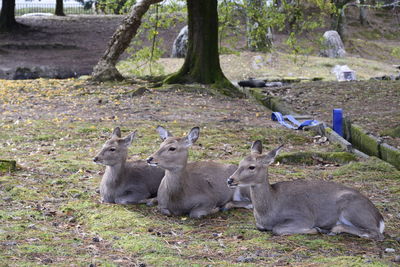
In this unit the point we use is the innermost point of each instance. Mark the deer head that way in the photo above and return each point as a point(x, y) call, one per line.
point(252, 169)
point(173, 151)
point(115, 150)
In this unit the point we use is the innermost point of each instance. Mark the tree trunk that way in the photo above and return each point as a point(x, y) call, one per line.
point(7, 17)
point(341, 24)
point(202, 58)
point(59, 8)
point(363, 13)
point(105, 69)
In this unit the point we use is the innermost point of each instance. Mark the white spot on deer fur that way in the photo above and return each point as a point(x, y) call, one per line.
point(381, 226)
point(236, 195)
point(342, 193)
point(343, 220)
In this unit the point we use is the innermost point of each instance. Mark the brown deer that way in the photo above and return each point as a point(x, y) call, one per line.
point(197, 188)
point(304, 207)
point(126, 182)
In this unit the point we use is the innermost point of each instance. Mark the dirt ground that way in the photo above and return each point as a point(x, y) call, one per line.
point(70, 45)
point(63, 46)
point(374, 105)
point(50, 209)
point(51, 212)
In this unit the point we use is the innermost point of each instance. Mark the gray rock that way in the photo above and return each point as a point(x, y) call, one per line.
point(245, 259)
point(397, 258)
point(333, 45)
point(344, 73)
point(179, 47)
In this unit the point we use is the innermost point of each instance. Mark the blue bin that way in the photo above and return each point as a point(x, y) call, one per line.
point(337, 121)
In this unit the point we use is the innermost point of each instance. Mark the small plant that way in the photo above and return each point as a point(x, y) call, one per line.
point(144, 61)
point(396, 52)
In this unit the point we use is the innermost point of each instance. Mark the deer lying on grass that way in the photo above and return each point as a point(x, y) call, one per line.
point(126, 182)
point(197, 188)
point(304, 207)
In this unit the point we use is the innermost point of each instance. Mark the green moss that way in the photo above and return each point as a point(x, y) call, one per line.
point(45, 137)
point(88, 130)
point(364, 142)
point(315, 244)
point(390, 154)
point(372, 166)
point(346, 261)
point(8, 165)
point(393, 132)
point(370, 34)
point(273, 103)
point(24, 193)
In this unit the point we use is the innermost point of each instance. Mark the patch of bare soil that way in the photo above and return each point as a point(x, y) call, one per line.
point(57, 46)
point(63, 47)
point(374, 105)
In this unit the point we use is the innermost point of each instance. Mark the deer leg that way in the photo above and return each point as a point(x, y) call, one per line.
point(200, 212)
point(343, 228)
point(165, 211)
point(293, 228)
point(361, 224)
point(150, 202)
point(237, 204)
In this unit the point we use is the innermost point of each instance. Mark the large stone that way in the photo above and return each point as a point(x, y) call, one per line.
point(179, 47)
point(333, 45)
point(344, 73)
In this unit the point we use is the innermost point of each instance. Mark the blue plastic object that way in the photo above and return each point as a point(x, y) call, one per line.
point(277, 116)
point(337, 121)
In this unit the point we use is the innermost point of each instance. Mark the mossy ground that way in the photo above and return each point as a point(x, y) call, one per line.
point(50, 211)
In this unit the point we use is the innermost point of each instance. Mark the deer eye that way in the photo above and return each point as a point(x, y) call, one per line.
point(252, 167)
point(112, 149)
point(172, 148)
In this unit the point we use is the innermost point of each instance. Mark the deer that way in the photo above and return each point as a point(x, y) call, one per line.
point(196, 188)
point(126, 182)
point(304, 206)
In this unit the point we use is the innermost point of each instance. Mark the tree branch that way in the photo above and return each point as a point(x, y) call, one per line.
point(105, 69)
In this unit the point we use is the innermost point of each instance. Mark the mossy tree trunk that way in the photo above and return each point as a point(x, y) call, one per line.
point(59, 8)
point(7, 16)
point(105, 69)
point(202, 58)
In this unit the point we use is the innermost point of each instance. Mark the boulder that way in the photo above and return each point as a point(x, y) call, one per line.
point(344, 73)
point(179, 47)
point(333, 45)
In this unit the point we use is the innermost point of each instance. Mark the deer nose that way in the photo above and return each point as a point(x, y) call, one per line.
point(149, 159)
point(229, 181)
point(95, 159)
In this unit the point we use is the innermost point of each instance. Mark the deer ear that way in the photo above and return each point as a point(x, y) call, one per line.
point(256, 147)
point(164, 134)
point(116, 132)
point(269, 158)
point(192, 136)
point(127, 141)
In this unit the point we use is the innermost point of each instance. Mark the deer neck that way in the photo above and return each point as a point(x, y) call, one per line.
point(113, 175)
point(262, 196)
point(175, 181)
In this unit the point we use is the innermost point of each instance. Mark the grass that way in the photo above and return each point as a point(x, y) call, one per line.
point(282, 65)
point(51, 214)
